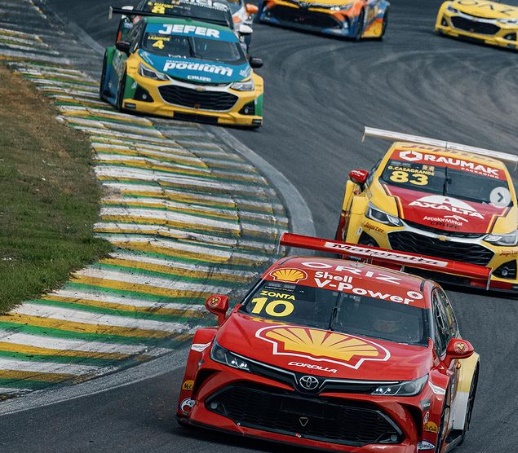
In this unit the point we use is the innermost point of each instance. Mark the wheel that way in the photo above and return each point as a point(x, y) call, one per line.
point(120, 92)
point(440, 431)
point(384, 24)
point(103, 78)
point(469, 408)
point(359, 26)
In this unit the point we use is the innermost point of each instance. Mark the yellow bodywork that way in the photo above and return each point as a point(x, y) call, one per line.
point(481, 21)
point(355, 226)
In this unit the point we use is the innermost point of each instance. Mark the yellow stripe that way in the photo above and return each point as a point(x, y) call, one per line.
point(174, 271)
point(108, 114)
point(82, 328)
point(139, 204)
point(146, 153)
point(34, 350)
point(165, 168)
point(198, 256)
point(180, 224)
point(35, 376)
point(122, 308)
point(138, 287)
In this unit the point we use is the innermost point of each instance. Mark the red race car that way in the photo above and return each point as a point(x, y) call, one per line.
point(336, 354)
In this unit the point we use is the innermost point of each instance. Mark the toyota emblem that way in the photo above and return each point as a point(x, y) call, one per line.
point(308, 382)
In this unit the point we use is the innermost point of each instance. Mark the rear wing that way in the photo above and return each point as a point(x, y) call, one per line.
point(393, 259)
point(217, 15)
point(396, 136)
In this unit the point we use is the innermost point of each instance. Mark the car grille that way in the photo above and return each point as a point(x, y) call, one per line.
point(303, 17)
point(448, 233)
point(473, 26)
point(326, 419)
point(452, 250)
point(194, 99)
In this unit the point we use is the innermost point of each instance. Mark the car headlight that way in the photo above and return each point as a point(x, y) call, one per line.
point(405, 388)
point(224, 356)
point(378, 215)
point(451, 9)
point(247, 85)
point(506, 240)
point(144, 71)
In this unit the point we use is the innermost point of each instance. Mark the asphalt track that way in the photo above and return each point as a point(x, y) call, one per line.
point(320, 93)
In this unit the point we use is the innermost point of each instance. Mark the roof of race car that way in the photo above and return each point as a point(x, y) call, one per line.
point(351, 277)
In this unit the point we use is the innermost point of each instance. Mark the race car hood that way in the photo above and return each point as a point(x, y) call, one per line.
point(196, 70)
point(445, 212)
point(486, 10)
point(329, 354)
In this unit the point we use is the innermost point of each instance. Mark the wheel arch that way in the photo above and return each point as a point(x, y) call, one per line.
point(468, 371)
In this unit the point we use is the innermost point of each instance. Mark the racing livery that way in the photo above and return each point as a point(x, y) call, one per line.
point(439, 199)
point(353, 19)
point(232, 13)
point(486, 22)
point(335, 354)
point(183, 69)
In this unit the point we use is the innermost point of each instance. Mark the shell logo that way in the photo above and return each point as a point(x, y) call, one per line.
point(289, 275)
point(322, 345)
point(460, 347)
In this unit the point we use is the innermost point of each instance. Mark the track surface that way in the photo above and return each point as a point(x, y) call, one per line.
point(320, 92)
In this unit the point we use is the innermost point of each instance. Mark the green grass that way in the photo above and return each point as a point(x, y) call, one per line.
point(49, 196)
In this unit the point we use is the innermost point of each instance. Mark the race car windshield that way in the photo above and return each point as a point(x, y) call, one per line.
point(446, 181)
point(189, 47)
point(338, 311)
point(219, 14)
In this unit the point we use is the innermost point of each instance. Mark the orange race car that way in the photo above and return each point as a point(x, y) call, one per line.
point(354, 19)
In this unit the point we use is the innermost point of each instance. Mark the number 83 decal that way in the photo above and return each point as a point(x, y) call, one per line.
point(401, 177)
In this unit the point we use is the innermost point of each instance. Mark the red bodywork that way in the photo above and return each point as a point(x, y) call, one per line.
point(266, 400)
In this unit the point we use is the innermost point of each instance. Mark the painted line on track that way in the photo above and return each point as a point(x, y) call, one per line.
point(187, 207)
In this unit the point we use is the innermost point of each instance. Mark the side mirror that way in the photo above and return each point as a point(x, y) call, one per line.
point(359, 176)
point(256, 62)
point(458, 349)
point(251, 9)
point(123, 46)
point(218, 305)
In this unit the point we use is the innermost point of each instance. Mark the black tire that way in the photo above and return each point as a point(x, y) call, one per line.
point(440, 432)
point(120, 92)
point(359, 27)
point(384, 24)
point(103, 78)
point(469, 409)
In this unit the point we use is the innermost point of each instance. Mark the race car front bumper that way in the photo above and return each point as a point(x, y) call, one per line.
point(454, 23)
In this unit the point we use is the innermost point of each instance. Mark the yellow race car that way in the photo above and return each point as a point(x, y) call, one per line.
point(440, 199)
point(486, 22)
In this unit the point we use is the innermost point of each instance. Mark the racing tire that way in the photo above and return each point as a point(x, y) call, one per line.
point(359, 26)
point(384, 25)
point(120, 93)
point(103, 78)
point(469, 408)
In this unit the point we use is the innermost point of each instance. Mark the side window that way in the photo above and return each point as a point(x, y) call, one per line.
point(441, 331)
point(133, 35)
point(450, 315)
point(371, 173)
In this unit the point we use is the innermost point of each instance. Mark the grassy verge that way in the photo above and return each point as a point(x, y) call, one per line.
point(49, 196)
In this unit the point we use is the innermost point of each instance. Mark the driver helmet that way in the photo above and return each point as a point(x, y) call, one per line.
point(387, 321)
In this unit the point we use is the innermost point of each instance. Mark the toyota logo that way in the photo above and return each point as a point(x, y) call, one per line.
point(308, 382)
